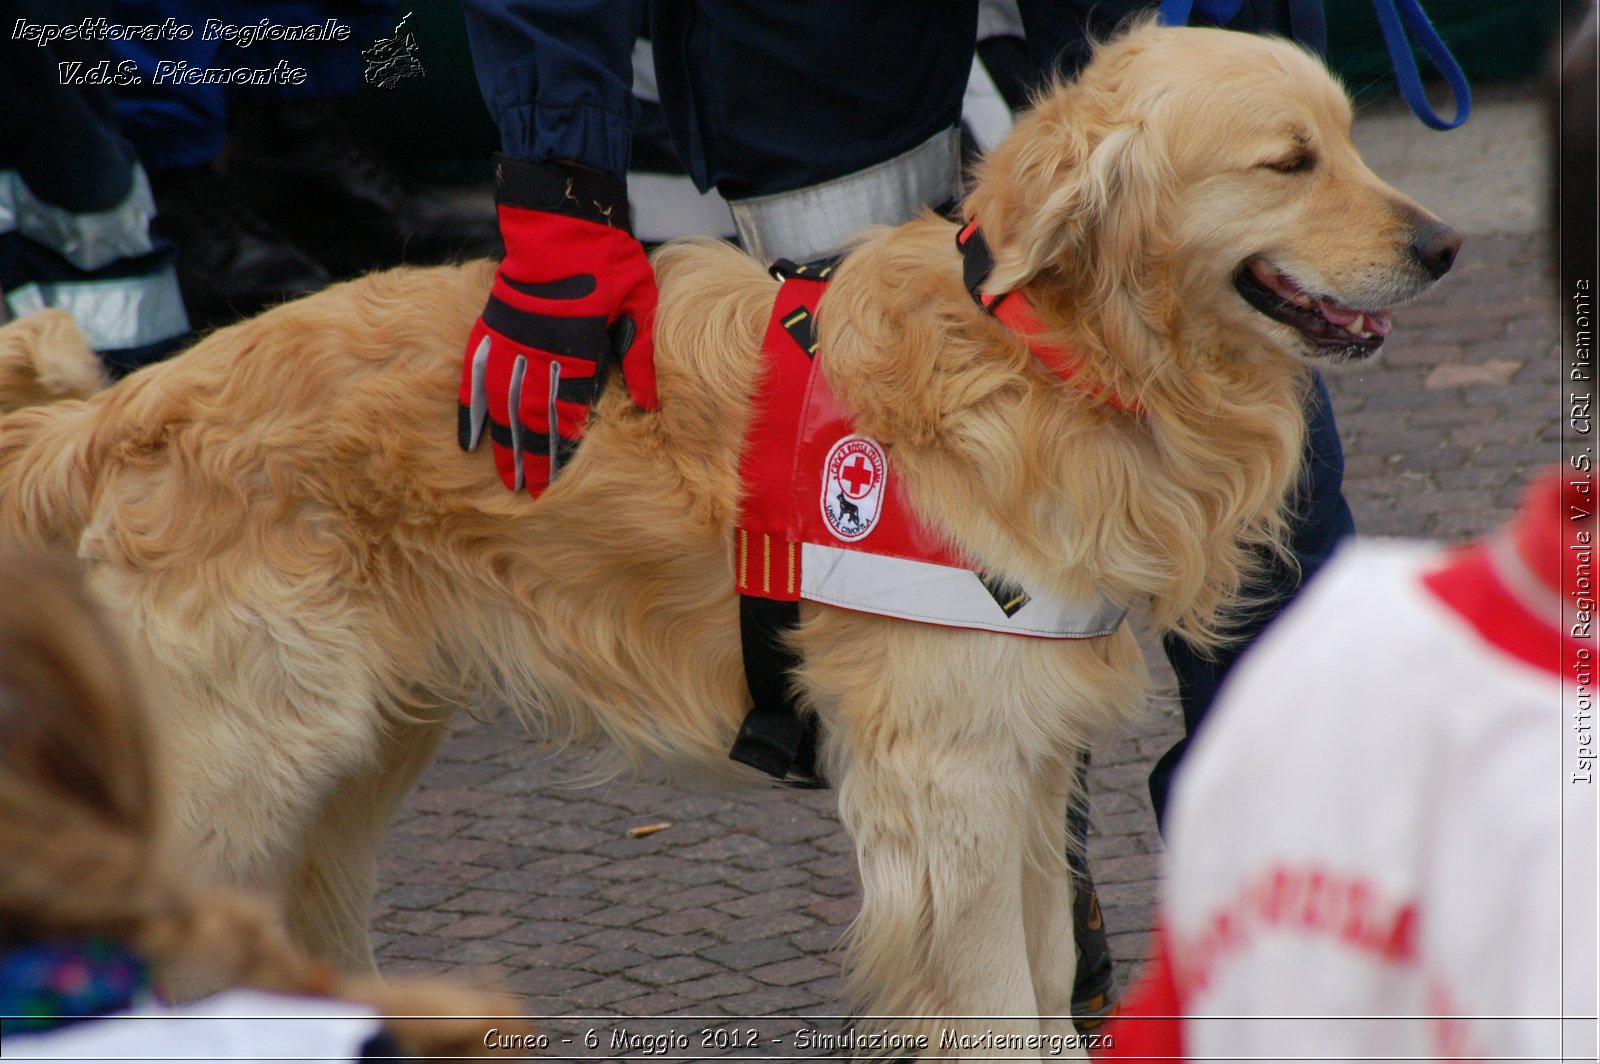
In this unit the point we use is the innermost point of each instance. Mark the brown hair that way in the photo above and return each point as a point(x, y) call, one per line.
point(82, 842)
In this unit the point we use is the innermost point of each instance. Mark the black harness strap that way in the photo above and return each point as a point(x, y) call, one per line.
point(774, 737)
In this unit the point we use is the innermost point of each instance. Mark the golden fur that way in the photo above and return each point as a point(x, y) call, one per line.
point(314, 575)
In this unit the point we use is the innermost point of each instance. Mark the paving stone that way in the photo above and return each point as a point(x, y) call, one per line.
point(612, 961)
point(539, 907)
point(435, 873)
point(612, 938)
point(660, 1003)
point(1493, 373)
point(598, 992)
point(553, 955)
point(538, 932)
point(684, 921)
point(483, 925)
point(418, 896)
point(771, 901)
point(702, 897)
point(774, 857)
point(823, 938)
point(400, 968)
point(431, 824)
point(792, 973)
point(725, 848)
point(743, 956)
point(716, 986)
point(654, 866)
point(622, 915)
point(412, 921)
point(836, 911)
point(762, 926)
point(676, 945)
point(566, 838)
point(477, 952)
point(670, 970)
point(784, 875)
point(417, 947)
point(694, 874)
point(769, 1001)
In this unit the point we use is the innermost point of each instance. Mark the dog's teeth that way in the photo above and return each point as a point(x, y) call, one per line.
point(1359, 326)
point(1300, 299)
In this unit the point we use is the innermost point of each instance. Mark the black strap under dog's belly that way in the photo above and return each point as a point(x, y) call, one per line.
point(774, 737)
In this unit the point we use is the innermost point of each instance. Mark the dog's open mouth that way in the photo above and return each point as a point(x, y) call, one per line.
point(1322, 320)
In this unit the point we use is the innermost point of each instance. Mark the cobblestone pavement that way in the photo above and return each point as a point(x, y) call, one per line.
point(734, 908)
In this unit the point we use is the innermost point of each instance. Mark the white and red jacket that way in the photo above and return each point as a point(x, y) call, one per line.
point(1383, 844)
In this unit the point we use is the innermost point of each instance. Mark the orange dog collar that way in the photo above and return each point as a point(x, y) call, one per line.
point(1016, 311)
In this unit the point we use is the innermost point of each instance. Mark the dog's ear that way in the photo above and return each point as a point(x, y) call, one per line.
point(1070, 188)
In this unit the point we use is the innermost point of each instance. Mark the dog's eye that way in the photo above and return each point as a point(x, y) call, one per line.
point(1298, 163)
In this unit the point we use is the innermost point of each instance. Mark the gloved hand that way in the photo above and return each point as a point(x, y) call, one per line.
point(573, 297)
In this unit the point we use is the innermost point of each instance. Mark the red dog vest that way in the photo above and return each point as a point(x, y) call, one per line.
point(824, 518)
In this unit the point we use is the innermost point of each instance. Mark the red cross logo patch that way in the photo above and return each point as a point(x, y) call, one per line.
point(854, 476)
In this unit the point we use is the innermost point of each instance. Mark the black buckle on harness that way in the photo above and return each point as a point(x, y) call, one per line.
point(788, 270)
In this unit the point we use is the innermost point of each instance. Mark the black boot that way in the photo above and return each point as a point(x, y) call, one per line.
point(302, 167)
point(230, 263)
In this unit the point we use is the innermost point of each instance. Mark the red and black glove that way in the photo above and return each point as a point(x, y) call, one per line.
point(574, 297)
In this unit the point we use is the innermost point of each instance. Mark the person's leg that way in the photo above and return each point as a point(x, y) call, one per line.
point(1322, 519)
point(75, 205)
point(173, 126)
point(857, 104)
point(296, 158)
point(229, 262)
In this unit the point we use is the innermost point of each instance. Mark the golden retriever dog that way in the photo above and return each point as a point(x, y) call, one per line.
point(313, 574)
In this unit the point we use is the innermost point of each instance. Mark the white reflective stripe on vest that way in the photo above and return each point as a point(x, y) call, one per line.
point(940, 594)
point(117, 314)
point(88, 239)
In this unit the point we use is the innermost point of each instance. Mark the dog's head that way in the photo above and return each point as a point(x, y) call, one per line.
point(1205, 183)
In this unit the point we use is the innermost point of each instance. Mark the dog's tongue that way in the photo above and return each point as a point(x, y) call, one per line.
point(1376, 321)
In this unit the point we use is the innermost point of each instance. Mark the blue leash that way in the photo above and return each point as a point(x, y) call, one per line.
point(1390, 17)
point(1394, 17)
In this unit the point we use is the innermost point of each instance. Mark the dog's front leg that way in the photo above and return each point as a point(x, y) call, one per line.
point(938, 836)
point(1047, 905)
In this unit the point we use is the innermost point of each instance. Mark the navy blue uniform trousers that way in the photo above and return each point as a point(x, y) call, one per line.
point(177, 126)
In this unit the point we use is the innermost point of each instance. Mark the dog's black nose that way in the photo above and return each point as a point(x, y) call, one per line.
point(1435, 247)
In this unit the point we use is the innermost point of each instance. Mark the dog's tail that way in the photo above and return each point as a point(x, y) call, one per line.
point(45, 357)
point(46, 373)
